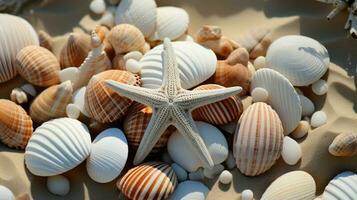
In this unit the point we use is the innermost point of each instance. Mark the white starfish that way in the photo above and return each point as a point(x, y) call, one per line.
point(172, 105)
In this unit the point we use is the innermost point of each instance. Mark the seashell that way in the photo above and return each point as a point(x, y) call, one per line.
point(57, 146)
point(38, 66)
point(239, 55)
point(212, 172)
point(75, 50)
point(15, 125)
point(256, 41)
point(133, 66)
point(230, 162)
point(45, 40)
point(190, 190)
point(300, 59)
point(101, 102)
point(345, 144)
point(280, 90)
point(318, 119)
point(136, 55)
point(251, 68)
point(301, 130)
point(307, 105)
point(97, 6)
point(51, 103)
point(118, 62)
point(247, 194)
point(107, 19)
point(105, 164)
point(208, 32)
point(225, 177)
point(58, 185)
point(16, 33)
point(259, 62)
point(221, 112)
point(320, 87)
point(23, 94)
point(73, 111)
point(140, 13)
point(295, 185)
point(179, 171)
point(196, 175)
point(6, 193)
point(160, 181)
point(343, 186)
point(291, 152)
point(260, 95)
point(196, 64)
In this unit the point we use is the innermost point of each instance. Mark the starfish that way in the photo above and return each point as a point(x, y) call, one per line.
point(172, 105)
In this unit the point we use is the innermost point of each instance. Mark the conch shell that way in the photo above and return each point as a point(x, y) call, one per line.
point(345, 144)
point(75, 50)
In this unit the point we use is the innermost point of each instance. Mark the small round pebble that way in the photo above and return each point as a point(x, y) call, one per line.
point(180, 172)
point(133, 66)
point(260, 94)
point(73, 111)
point(318, 119)
point(136, 55)
point(225, 177)
point(6, 194)
point(259, 62)
point(247, 195)
point(320, 87)
point(301, 130)
point(291, 152)
point(307, 106)
point(97, 6)
point(107, 19)
point(58, 185)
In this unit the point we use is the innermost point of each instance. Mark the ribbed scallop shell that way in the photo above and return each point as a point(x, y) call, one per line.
point(45, 40)
point(195, 63)
point(101, 102)
point(345, 144)
point(258, 140)
point(15, 34)
point(300, 59)
point(38, 66)
point(153, 180)
point(342, 187)
point(282, 97)
point(57, 146)
point(295, 185)
point(75, 50)
point(15, 125)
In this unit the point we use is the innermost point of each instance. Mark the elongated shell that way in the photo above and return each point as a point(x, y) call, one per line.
point(258, 140)
point(15, 125)
point(57, 146)
point(153, 180)
point(15, 33)
point(343, 186)
point(45, 40)
point(256, 41)
point(295, 185)
point(75, 50)
point(345, 144)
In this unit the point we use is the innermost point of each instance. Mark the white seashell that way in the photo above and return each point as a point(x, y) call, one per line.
point(57, 146)
point(69, 74)
point(6, 193)
point(190, 190)
point(225, 177)
point(58, 185)
point(179, 171)
point(197, 175)
point(133, 66)
point(78, 99)
point(259, 62)
point(247, 195)
point(230, 162)
point(300, 59)
point(341, 187)
point(301, 130)
point(259, 94)
point(320, 87)
point(318, 119)
point(251, 68)
point(97, 6)
point(307, 106)
point(73, 111)
point(109, 152)
point(136, 55)
point(212, 172)
point(291, 152)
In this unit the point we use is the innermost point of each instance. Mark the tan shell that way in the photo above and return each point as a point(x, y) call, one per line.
point(256, 41)
point(15, 125)
point(45, 40)
point(345, 144)
point(75, 50)
point(38, 66)
point(239, 55)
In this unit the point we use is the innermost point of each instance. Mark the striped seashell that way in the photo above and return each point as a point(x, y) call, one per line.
point(38, 66)
point(345, 144)
point(45, 40)
point(258, 140)
point(75, 50)
point(153, 180)
point(51, 103)
point(221, 112)
point(15, 33)
point(295, 185)
point(256, 41)
point(15, 125)
point(101, 102)
point(341, 187)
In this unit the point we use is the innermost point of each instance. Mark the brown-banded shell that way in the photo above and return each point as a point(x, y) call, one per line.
point(45, 40)
point(256, 41)
point(345, 144)
point(75, 50)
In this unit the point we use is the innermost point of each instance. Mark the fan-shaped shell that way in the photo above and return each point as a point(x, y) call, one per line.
point(282, 97)
point(57, 146)
point(15, 125)
point(295, 185)
point(75, 50)
point(258, 140)
point(343, 186)
point(300, 59)
point(15, 33)
point(45, 40)
point(345, 144)
point(109, 152)
point(153, 180)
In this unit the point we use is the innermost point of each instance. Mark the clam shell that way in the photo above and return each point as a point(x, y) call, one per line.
point(38, 66)
point(295, 185)
point(15, 125)
point(258, 140)
point(75, 50)
point(345, 144)
point(343, 186)
point(282, 97)
point(45, 40)
point(300, 59)
point(153, 180)
point(15, 33)
point(57, 146)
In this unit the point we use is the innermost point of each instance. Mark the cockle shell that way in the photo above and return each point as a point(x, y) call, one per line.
point(38, 66)
point(300, 59)
point(295, 185)
point(187, 190)
point(345, 144)
point(15, 125)
point(258, 140)
point(153, 180)
point(58, 185)
point(15, 33)
point(256, 41)
point(75, 50)
point(45, 40)
point(6, 193)
point(341, 187)
point(57, 146)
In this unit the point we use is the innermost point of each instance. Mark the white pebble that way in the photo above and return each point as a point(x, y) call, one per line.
point(180, 172)
point(318, 119)
point(291, 152)
point(307, 106)
point(197, 175)
point(231, 161)
point(136, 55)
point(259, 62)
point(69, 73)
point(29, 89)
point(58, 185)
point(18, 96)
point(133, 66)
point(78, 98)
point(6, 194)
point(247, 195)
point(225, 177)
point(301, 130)
point(73, 111)
point(97, 6)
point(320, 87)
point(212, 172)
point(260, 94)
point(107, 19)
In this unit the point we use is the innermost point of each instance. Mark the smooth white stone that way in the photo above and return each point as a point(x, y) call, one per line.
point(69, 74)
point(318, 119)
point(179, 171)
point(190, 190)
point(230, 162)
point(225, 177)
point(78, 98)
point(247, 195)
point(136, 55)
point(260, 94)
point(259, 62)
point(29, 89)
point(18, 96)
point(320, 87)
point(307, 106)
point(291, 152)
point(107, 19)
point(73, 111)
point(133, 66)
point(212, 172)
point(58, 185)
point(6, 194)
point(97, 6)
point(197, 175)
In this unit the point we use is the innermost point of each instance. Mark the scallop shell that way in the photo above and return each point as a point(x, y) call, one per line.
point(15, 125)
point(75, 50)
point(295, 185)
point(101, 102)
point(256, 41)
point(282, 97)
point(57, 146)
point(343, 186)
point(45, 40)
point(15, 33)
point(153, 180)
point(38, 66)
point(300, 59)
point(345, 144)
point(258, 140)
point(196, 64)
point(51, 103)
point(105, 164)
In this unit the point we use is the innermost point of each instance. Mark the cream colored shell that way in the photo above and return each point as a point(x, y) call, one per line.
point(125, 38)
point(345, 144)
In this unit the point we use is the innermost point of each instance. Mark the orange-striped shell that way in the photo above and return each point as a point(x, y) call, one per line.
point(153, 180)
point(75, 50)
point(221, 112)
point(15, 125)
point(104, 104)
point(258, 139)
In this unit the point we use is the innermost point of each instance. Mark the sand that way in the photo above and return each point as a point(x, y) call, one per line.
point(305, 17)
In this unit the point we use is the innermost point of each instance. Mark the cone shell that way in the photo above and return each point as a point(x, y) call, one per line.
point(75, 50)
point(258, 140)
point(256, 41)
point(45, 40)
point(345, 144)
point(343, 186)
point(15, 125)
point(153, 180)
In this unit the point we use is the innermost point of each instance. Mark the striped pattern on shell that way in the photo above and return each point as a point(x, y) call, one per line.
point(15, 125)
point(75, 50)
point(258, 139)
point(153, 180)
point(342, 187)
point(345, 144)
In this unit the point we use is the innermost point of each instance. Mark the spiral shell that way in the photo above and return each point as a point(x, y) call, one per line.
point(45, 40)
point(345, 144)
point(75, 50)
point(343, 186)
